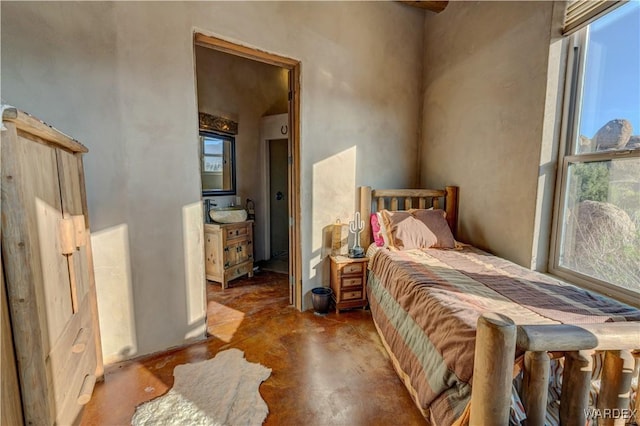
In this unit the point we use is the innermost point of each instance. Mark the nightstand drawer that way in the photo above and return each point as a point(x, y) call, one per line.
point(351, 282)
point(350, 295)
point(353, 268)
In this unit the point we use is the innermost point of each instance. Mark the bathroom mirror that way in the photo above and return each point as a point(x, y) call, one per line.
point(217, 163)
point(217, 154)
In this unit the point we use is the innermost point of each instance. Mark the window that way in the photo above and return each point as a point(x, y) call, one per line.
point(597, 223)
point(217, 166)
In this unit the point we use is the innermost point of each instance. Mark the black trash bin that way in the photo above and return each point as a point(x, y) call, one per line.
point(321, 299)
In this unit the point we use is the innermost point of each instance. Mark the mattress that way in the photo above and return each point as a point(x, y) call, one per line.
point(426, 303)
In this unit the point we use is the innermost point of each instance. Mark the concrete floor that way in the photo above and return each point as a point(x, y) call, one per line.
point(275, 264)
point(326, 370)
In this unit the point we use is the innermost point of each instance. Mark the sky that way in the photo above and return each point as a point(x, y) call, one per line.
point(612, 73)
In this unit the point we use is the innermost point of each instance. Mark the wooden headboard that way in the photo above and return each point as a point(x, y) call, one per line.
point(373, 200)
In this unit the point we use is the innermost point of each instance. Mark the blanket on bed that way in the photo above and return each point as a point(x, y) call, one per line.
point(426, 304)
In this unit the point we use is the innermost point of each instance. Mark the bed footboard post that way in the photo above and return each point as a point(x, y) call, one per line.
point(576, 383)
point(535, 385)
point(617, 373)
point(493, 370)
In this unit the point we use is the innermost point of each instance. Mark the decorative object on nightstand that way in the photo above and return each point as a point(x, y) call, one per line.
point(349, 282)
point(356, 226)
point(228, 251)
point(339, 238)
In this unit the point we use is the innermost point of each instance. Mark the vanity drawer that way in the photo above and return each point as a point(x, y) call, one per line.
point(238, 270)
point(239, 232)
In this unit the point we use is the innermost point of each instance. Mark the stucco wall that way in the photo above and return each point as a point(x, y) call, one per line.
point(245, 91)
point(120, 78)
point(485, 88)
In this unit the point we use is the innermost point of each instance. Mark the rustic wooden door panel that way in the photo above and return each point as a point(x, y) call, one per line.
point(69, 176)
point(46, 257)
point(71, 192)
point(29, 256)
point(68, 400)
point(75, 342)
point(41, 195)
point(56, 299)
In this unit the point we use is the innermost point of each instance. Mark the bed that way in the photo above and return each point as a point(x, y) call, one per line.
point(477, 339)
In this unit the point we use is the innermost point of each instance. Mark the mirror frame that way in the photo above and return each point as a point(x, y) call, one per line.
point(211, 125)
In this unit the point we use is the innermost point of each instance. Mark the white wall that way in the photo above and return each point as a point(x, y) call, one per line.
point(120, 78)
point(487, 122)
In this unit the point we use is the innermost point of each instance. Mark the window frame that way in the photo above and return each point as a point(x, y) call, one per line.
point(573, 93)
point(230, 157)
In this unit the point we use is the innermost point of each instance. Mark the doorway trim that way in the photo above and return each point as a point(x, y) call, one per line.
point(295, 256)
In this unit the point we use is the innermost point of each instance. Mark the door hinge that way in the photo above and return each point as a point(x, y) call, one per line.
point(290, 160)
point(290, 95)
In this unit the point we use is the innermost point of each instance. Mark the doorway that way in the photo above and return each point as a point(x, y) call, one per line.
point(289, 202)
point(278, 215)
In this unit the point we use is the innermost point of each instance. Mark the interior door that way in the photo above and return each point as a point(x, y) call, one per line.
point(278, 192)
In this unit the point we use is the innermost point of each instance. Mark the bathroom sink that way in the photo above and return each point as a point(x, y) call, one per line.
point(228, 214)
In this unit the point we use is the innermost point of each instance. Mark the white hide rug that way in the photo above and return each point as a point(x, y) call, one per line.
point(220, 391)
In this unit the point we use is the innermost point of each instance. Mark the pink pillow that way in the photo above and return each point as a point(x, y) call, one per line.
point(375, 229)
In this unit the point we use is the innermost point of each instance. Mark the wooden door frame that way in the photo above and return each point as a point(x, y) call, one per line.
point(295, 256)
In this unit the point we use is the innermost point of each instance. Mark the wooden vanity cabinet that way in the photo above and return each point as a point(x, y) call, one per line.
point(228, 251)
point(48, 270)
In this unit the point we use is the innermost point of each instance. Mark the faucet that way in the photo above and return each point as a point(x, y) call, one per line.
point(208, 205)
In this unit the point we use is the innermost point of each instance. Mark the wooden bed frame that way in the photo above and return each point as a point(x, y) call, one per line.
point(498, 339)
point(411, 198)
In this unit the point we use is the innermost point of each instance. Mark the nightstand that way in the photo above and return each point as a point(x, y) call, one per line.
point(349, 282)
